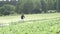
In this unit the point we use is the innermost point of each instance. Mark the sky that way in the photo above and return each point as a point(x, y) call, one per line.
point(0, 0)
point(9, 0)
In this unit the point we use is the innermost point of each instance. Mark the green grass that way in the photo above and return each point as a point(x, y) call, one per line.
point(16, 18)
point(44, 24)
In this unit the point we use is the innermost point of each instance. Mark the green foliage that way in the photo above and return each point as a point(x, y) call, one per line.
point(39, 24)
point(32, 6)
point(28, 6)
point(34, 27)
point(7, 9)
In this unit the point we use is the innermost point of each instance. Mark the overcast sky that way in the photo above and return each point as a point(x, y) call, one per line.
point(0, 0)
point(9, 0)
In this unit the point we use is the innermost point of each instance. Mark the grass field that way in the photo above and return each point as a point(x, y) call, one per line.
point(16, 18)
point(32, 24)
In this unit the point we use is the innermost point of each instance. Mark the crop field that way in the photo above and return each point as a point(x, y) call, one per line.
point(32, 24)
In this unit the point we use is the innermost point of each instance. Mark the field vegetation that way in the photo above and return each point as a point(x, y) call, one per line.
point(32, 24)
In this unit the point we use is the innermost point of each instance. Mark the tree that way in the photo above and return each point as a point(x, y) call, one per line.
point(28, 6)
point(7, 9)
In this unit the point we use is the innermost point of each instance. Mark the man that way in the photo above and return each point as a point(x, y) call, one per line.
point(22, 16)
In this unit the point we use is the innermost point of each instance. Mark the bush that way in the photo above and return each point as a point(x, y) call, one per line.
point(7, 9)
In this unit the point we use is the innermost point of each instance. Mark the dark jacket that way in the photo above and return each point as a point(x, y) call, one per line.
point(22, 16)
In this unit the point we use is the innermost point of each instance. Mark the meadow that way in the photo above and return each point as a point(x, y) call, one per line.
point(32, 24)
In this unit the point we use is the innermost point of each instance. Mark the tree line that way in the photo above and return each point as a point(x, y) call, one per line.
point(29, 6)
